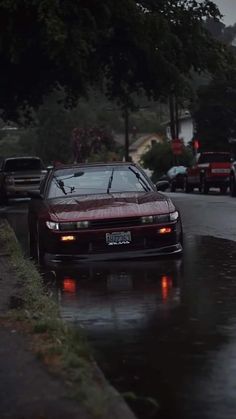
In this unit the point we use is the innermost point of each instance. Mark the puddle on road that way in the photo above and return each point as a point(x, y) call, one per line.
point(162, 331)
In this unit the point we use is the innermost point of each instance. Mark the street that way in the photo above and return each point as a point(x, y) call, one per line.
point(162, 330)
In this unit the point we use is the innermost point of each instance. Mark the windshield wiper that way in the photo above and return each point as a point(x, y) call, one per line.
point(110, 181)
point(141, 180)
point(60, 185)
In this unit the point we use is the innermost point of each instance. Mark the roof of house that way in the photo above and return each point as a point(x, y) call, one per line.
point(182, 117)
point(142, 139)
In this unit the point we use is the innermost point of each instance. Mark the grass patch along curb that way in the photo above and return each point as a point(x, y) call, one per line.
point(60, 346)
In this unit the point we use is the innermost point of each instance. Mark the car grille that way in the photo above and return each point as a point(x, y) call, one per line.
point(25, 181)
point(116, 222)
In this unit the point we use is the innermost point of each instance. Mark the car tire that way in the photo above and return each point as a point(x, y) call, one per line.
point(173, 187)
point(223, 190)
point(204, 186)
point(232, 185)
point(39, 249)
point(187, 188)
point(3, 198)
point(32, 246)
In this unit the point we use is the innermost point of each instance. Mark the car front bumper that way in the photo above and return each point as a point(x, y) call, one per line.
point(14, 191)
point(217, 181)
point(56, 259)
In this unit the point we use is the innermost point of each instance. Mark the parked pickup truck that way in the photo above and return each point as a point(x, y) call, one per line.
point(210, 170)
point(19, 175)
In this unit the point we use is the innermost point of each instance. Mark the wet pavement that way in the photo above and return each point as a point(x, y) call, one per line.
point(163, 332)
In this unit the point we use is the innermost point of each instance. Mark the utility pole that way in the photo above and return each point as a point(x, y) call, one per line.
point(126, 118)
point(174, 120)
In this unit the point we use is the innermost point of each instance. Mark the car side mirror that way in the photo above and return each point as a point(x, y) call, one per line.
point(35, 195)
point(162, 185)
point(48, 168)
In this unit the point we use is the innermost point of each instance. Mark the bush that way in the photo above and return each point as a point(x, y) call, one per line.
point(160, 159)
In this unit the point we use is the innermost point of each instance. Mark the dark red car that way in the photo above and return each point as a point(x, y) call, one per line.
point(101, 212)
point(211, 169)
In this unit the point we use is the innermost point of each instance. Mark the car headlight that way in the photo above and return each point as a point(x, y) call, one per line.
point(67, 226)
point(174, 216)
point(9, 180)
point(52, 225)
point(83, 224)
point(74, 225)
point(147, 219)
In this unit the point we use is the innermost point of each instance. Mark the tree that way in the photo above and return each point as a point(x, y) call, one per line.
point(127, 45)
point(160, 159)
point(50, 133)
point(90, 142)
point(46, 43)
point(215, 114)
point(214, 111)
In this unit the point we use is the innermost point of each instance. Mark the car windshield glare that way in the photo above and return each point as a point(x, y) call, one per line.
point(97, 180)
point(23, 164)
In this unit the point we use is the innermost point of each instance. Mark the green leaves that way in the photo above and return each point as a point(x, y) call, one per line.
point(147, 45)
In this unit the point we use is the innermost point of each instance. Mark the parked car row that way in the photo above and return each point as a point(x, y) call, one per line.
point(209, 170)
point(82, 212)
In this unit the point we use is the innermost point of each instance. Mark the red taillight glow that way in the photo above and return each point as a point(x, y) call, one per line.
point(165, 230)
point(69, 285)
point(166, 285)
point(67, 238)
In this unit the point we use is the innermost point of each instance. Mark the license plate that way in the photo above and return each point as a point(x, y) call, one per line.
point(123, 237)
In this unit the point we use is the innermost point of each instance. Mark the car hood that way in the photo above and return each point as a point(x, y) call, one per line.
point(109, 206)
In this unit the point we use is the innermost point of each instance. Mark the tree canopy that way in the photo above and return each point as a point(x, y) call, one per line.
point(122, 46)
point(215, 114)
point(214, 110)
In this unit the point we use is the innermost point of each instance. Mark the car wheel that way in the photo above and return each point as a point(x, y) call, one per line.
point(32, 246)
point(232, 185)
point(173, 187)
point(204, 186)
point(3, 198)
point(187, 187)
point(39, 249)
point(223, 190)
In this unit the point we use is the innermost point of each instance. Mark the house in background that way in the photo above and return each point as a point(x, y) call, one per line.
point(142, 145)
point(186, 127)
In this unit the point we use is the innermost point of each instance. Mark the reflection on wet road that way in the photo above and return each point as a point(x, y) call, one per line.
point(164, 330)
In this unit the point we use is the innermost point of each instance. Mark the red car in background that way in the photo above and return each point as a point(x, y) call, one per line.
point(101, 212)
point(210, 170)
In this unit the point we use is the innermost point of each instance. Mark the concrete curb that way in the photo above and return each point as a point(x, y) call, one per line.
point(111, 403)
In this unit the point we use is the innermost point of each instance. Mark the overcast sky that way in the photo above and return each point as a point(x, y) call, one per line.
point(228, 9)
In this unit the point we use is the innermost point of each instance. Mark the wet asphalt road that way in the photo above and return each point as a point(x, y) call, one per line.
point(164, 332)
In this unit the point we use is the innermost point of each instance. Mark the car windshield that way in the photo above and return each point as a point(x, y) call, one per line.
point(214, 158)
point(176, 170)
point(96, 180)
point(20, 165)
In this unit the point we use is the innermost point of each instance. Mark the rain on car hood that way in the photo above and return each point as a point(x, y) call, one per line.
point(87, 207)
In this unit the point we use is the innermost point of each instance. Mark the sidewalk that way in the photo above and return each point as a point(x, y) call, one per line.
point(27, 389)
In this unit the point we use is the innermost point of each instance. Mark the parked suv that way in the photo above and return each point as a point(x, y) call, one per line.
point(210, 170)
point(19, 175)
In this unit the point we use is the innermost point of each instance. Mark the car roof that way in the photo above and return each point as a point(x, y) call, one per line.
point(79, 165)
point(21, 157)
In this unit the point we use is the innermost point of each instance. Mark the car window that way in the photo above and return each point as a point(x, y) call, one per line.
point(16, 165)
point(214, 158)
point(97, 180)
